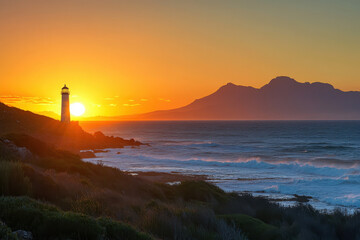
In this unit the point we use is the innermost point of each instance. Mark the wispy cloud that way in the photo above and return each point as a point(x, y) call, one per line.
point(25, 99)
point(112, 105)
point(131, 105)
point(165, 100)
point(144, 100)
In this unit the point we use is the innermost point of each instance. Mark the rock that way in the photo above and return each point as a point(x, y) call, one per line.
point(301, 198)
point(87, 154)
point(24, 235)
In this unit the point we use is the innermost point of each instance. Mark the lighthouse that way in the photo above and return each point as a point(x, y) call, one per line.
point(65, 105)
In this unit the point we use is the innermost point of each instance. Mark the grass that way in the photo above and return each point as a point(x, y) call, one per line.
point(199, 191)
point(49, 222)
point(12, 179)
point(254, 228)
point(169, 221)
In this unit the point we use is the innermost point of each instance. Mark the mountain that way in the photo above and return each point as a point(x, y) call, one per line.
point(281, 99)
point(62, 135)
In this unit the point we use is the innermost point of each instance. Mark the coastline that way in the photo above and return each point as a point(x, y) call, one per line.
point(174, 178)
point(285, 200)
point(264, 158)
point(146, 205)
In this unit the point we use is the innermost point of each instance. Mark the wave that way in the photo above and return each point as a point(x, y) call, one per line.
point(322, 166)
point(330, 180)
point(310, 148)
point(321, 162)
point(189, 143)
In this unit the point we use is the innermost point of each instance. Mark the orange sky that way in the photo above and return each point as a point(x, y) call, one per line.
point(125, 57)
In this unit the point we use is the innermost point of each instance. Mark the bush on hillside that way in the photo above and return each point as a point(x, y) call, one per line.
point(12, 179)
point(48, 222)
point(116, 231)
point(182, 222)
point(6, 233)
point(199, 191)
point(254, 228)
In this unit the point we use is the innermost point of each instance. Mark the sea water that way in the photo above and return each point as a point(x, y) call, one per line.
point(320, 159)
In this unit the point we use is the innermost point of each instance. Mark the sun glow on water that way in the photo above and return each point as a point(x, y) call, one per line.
point(77, 109)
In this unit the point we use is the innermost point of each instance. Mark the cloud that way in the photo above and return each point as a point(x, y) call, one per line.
point(131, 105)
point(165, 100)
point(24, 99)
point(109, 98)
point(112, 105)
point(144, 100)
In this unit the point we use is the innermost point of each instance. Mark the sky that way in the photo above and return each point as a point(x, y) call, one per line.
point(127, 57)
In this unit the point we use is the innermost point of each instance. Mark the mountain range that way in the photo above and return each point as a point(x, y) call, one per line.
point(282, 98)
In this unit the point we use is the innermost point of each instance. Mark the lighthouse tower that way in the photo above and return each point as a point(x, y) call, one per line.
point(65, 105)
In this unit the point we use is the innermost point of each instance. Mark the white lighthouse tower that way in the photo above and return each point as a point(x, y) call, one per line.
point(65, 104)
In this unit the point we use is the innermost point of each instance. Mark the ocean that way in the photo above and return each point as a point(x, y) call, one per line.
point(276, 159)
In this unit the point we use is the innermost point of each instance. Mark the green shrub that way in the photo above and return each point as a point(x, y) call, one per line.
point(88, 205)
point(254, 228)
point(6, 233)
point(45, 221)
point(12, 179)
point(185, 222)
point(200, 191)
point(48, 222)
point(43, 185)
point(118, 231)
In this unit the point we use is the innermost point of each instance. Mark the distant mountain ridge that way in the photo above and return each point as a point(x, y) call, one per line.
point(282, 98)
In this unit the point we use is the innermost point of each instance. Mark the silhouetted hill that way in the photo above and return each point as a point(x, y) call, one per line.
point(281, 99)
point(66, 136)
point(49, 114)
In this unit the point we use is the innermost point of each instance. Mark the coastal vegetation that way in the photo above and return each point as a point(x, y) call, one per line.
point(44, 187)
point(48, 222)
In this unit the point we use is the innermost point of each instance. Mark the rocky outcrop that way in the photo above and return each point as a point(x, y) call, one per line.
point(23, 235)
point(68, 136)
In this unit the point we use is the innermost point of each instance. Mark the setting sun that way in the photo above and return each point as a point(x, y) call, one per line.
point(77, 109)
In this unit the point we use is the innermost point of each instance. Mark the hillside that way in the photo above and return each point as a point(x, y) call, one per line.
point(53, 194)
point(282, 99)
point(65, 136)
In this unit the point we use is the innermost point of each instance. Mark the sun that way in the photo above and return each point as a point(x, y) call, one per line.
point(77, 109)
